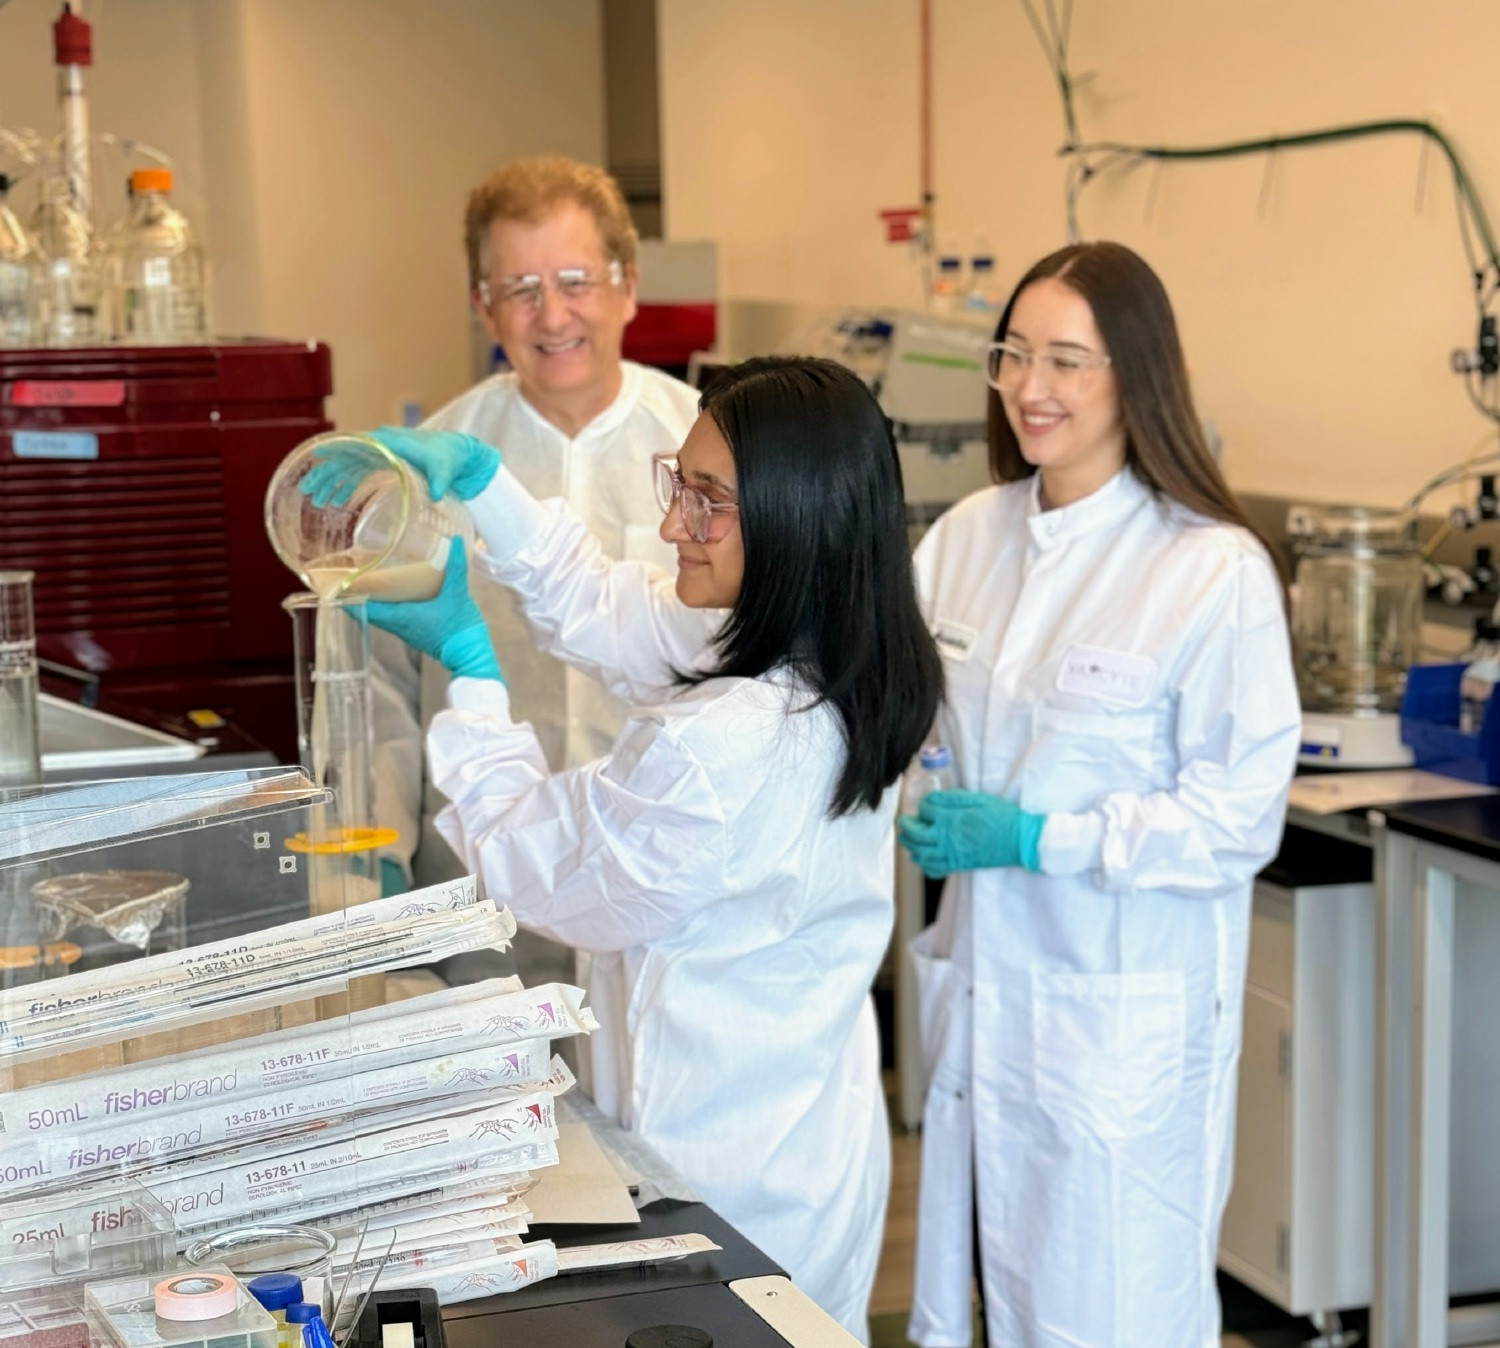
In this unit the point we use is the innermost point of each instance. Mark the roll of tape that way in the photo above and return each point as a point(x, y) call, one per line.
point(196, 1296)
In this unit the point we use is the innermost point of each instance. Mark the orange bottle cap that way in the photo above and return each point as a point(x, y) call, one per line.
point(151, 180)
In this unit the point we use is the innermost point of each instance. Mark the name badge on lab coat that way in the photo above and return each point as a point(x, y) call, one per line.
point(1115, 676)
point(953, 639)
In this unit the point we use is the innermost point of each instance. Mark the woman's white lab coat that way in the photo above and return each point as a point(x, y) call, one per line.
point(736, 928)
point(1123, 667)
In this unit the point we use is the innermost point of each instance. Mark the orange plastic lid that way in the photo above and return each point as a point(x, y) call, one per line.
point(344, 841)
point(25, 956)
point(151, 180)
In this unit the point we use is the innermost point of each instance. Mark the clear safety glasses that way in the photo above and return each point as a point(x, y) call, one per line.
point(697, 510)
point(572, 285)
point(1064, 372)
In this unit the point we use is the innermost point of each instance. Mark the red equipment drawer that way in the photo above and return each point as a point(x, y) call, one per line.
point(132, 482)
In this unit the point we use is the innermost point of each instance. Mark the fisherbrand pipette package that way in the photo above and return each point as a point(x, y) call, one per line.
point(296, 960)
point(129, 1145)
point(441, 1024)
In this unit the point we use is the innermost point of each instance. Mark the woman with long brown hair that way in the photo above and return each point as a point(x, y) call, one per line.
point(1124, 723)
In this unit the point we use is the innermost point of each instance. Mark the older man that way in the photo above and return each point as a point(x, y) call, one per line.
point(552, 269)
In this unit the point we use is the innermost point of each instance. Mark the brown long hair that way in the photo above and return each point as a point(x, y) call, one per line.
point(1164, 444)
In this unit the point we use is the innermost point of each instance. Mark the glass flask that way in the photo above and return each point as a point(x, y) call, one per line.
point(383, 536)
point(1357, 615)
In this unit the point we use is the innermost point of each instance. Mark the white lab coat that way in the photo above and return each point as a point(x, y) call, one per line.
point(736, 928)
point(1123, 667)
point(604, 473)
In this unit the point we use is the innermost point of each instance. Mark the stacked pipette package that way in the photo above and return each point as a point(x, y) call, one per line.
point(412, 1131)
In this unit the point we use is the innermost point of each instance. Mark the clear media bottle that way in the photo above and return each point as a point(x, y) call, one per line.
point(16, 260)
point(64, 269)
point(157, 275)
point(980, 296)
point(934, 773)
point(947, 283)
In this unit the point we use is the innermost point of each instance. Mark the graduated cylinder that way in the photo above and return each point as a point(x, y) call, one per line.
point(335, 741)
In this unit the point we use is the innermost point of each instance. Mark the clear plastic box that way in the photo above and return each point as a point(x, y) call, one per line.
point(224, 835)
point(241, 1080)
point(123, 1314)
point(67, 1242)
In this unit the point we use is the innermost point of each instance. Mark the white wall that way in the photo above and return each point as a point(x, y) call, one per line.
point(327, 148)
point(1318, 331)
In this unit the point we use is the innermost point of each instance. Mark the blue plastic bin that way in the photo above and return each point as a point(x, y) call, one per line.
point(1429, 725)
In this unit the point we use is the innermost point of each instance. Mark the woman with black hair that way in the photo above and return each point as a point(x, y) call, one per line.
point(1124, 721)
point(729, 864)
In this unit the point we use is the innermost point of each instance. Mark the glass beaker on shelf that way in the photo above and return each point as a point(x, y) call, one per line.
point(377, 531)
point(1357, 615)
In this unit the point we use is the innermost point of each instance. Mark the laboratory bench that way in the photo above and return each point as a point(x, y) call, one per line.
point(1366, 1172)
point(735, 1295)
point(719, 1292)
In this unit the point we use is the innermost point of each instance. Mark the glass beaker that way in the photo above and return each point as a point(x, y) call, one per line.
point(305, 1251)
point(382, 536)
point(1357, 617)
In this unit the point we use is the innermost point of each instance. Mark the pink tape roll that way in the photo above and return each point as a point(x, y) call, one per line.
point(196, 1296)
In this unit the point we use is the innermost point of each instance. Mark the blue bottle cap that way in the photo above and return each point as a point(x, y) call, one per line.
point(276, 1291)
point(936, 756)
point(303, 1312)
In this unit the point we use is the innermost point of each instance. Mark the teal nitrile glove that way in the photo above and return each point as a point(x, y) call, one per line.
point(393, 879)
point(971, 831)
point(337, 470)
point(449, 626)
point(449, 460)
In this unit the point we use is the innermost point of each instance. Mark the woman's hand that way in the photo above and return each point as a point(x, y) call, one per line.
point(970, 831)
point(449, 626)
point(448, 460)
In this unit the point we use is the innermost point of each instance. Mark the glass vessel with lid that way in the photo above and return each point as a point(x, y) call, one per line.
point(1357, 612)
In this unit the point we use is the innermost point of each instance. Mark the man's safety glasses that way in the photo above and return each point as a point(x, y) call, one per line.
point(572, 285)
point(697, 510)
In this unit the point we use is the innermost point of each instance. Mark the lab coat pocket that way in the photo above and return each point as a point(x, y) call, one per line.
point(942, 1009)
point(1108, 1050)
point(1078, 757)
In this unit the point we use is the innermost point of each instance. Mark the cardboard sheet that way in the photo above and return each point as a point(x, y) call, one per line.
point(583, 1189)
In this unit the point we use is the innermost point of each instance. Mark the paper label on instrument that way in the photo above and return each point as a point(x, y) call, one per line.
point(54, 445)
point(1114, 676)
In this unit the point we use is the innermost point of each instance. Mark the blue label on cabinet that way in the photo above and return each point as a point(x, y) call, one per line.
point(55, 445)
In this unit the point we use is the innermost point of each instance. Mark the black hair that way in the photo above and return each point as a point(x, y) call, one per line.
point(828, 587)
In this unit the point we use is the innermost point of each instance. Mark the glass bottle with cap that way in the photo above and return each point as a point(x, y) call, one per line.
point(277, 1291)
point(158, 282)
point(309, 1318)
point(64, 269)
point(934, 773)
